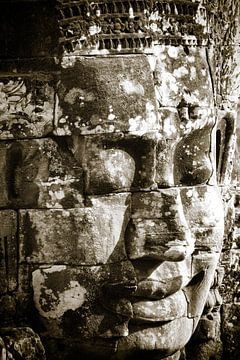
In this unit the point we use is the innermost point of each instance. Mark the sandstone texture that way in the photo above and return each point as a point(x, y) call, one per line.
point(119, 180)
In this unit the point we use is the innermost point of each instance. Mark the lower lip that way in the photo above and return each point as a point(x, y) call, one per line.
point(167, 309)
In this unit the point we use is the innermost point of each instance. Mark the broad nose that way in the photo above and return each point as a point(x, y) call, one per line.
point(158, 229)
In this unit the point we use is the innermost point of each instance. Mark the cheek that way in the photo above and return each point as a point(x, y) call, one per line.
point(110, 170)
point(192, 163)
point(204, 213)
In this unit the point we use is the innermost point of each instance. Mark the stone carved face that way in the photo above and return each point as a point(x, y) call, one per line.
point(121, 223)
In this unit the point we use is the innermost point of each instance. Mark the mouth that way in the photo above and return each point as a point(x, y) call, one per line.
point(163, 310)
point(148, 310)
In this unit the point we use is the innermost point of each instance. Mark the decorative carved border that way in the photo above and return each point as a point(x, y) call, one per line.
point(119, 26)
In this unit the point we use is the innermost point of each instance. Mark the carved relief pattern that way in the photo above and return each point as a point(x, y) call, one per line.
point(111, 218)
point(127, 26)
point(26, 107)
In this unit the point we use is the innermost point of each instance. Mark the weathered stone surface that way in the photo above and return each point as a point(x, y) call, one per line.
point(106, 95)
point(68, 299)
point(182, 77)
point(27, 105)
point(118, 269)
point(167, 309)
point(158, 282)
point(180, 159)
point(7, 310)
point(116, 162)
point(22, 343)
point(161, 340)
point(206, 342)
point(134, 27)
point(8, 250)
point(203, 209)
point(170, 224)
point(39, 173)
point(203, 267)
point(3, 353)
point(225, 146)
point(65, 349)
point(90, 235)
point(230, 323)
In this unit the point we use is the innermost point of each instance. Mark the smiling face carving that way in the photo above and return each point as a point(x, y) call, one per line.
point(125, 258)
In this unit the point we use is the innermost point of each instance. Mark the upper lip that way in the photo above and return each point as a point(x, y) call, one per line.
point(149, 310)
point(148, 301)
point(153, 289)
point(147, 288)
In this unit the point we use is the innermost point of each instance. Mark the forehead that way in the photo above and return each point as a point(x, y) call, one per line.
point(127, 93)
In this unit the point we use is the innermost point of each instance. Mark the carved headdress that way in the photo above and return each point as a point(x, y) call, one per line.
point(120, 26)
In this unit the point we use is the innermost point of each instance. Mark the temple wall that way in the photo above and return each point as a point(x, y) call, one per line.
point(41, 177)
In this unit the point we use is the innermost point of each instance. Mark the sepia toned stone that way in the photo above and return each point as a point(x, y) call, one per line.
point(203, 266)
point(116, 162)
point(90, 235)
point(75, 308)
point(3, 352)
point(157, 340)
point(162, 236)
point(203, 209)
point(27, 105)
point(23, 343)
point(8, 251)
point(180, 159)
point(91, 100)
point(162, 281)
point(182, 77)
point(116, 27)
point(37, 173)
point(117, 128)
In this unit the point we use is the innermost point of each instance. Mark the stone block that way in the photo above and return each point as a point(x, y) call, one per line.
point(27, 105)
point(91, 235)
point(231, 285)
point(174, 222)
point(7, 310)
point(116, 162)
point(102, 95)
point(182, 76)
point(69, 300)
point(230, 330)
point(161, 340)
point(158, 282)
point(203, 210)
point(8, 251)
point(203, 267)
point(39, 173)
point(22, 343)
point(158, 228)
point(180, 159)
